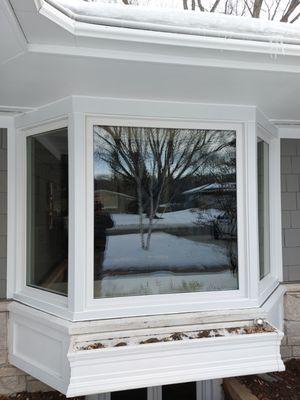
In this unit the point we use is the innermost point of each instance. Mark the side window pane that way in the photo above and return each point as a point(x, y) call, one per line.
point(165, 212)
point(263, 207)
point(180, 391)
point(47, 211)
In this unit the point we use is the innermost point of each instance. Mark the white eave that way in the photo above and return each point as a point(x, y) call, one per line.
point(172, 27)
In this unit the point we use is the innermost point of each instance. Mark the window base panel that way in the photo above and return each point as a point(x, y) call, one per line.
point(43, 346)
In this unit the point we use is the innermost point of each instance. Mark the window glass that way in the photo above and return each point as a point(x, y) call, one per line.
point(180, 391)
point(136, 394)
point(47, 211)
point(263, 207)
point(165, 212)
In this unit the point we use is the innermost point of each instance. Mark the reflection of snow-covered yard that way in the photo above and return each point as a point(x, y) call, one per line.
point(165, 282)
point(174, 218)
point(173, 263)
point(167, 252)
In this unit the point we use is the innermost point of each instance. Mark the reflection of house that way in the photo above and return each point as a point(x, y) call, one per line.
point(113, 201)
point(208, 195)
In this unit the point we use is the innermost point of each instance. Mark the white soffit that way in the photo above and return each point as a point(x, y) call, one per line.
point(12, 42)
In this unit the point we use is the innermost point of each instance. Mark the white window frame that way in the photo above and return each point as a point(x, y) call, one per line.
point(80, 304)
point(54, 303)
point(269, 282)
point(167, 303)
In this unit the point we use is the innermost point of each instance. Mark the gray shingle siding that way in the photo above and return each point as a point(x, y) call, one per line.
point(290, 188)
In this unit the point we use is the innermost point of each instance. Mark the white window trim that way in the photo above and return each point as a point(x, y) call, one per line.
point(167, 303)
point(268, 283)
point(35, 297)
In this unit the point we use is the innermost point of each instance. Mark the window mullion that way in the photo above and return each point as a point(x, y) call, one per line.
point(77, 213)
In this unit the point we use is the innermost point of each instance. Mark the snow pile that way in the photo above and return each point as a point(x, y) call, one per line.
point(179, 21)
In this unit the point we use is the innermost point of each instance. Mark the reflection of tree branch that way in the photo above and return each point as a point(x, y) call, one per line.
point(158, 159)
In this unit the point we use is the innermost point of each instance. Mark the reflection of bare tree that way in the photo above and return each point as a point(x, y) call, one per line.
point(156, 161)
point(225, 225)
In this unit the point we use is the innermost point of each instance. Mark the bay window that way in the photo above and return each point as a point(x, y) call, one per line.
point(150, 210)
point(138, 234)
point(160, 213)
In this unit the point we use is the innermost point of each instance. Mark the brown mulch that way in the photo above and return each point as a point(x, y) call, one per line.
point(278, 385)
point(38, 396)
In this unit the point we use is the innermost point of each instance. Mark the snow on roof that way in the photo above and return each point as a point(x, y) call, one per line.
point(228, 186)
point(179, 21)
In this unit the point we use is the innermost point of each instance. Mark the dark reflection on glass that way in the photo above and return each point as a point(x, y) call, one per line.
point(181, 391)
point(47, 211)
point(135, 394)
point(165, 211)
point(263, 207)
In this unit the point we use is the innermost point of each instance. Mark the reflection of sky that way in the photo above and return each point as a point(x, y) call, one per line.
point(103, 170)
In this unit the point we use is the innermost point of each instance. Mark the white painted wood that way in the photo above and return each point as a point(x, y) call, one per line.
point(41, 299)
point(161, 304)
point(274, 308)
point(77, 214)
point(43, 346)
point(166, 363)
point(8, 123)
point(270, 135)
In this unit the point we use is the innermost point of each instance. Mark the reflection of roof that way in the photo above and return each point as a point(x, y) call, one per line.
point(213, 187)
point(99, 191)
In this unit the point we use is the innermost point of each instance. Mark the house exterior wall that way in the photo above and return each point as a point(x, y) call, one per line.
point(3, 210)
point(290, 188)
point(291, 342)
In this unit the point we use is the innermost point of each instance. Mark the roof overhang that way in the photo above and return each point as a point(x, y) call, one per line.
point(172, 27)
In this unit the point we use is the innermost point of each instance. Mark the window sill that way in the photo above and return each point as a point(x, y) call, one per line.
point(49, 348)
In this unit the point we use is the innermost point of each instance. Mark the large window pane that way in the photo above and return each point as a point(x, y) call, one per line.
point(263, 207)
point(165, 211)
point(47, 211)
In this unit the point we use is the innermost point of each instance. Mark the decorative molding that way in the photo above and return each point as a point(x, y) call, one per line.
point(42, 346)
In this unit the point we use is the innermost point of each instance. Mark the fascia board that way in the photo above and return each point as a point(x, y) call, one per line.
point(88, 27)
